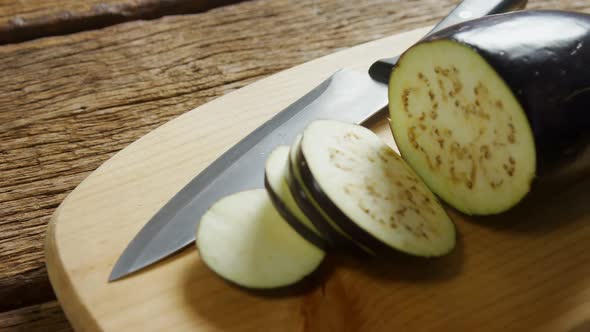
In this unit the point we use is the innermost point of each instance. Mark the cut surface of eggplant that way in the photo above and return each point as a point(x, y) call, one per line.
point(370, 192)
point(244, 240)
point(482, 108)
point(461, 128)
point(275, 179)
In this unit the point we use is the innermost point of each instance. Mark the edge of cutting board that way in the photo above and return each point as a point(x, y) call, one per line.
point(95, 222)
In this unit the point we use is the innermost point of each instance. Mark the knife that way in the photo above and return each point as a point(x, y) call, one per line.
point(347, 96)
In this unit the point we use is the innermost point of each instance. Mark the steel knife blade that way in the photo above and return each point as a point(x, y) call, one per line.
point(347, 96)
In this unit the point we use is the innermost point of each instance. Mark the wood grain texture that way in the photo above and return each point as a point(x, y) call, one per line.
point(26, 20)
point(37, 318)
point(115, 201)
point(524, 270)
point(69, 103)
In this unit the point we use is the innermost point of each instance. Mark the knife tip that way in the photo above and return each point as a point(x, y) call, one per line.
point(117, 274)
point(121, 270)
point(140, 253)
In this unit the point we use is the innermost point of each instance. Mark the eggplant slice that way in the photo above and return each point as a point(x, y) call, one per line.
point(275, 181)
point(332, 232)
point(483, 108)
point(365, 187)
point(243, 239)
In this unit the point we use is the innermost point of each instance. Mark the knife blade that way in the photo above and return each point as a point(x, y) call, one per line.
point(347, 96)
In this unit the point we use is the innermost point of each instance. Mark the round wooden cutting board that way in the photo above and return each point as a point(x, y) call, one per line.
point(528, 269)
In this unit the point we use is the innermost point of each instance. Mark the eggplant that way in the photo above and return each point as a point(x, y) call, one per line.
point(370, 192)
point(275, 181)
point(244, 240)
point(483, 109)
point(334, 235)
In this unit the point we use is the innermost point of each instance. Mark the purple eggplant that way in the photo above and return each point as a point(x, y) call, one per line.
point(483, 108)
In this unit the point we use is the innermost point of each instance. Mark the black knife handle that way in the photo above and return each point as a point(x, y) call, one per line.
point(466, 10)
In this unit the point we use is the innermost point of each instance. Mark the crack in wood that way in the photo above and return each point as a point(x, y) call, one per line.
point(24, 20)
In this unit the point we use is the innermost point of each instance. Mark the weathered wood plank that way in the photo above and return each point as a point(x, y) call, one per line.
point(25, 20)
point(40, 317)
point(69, 103)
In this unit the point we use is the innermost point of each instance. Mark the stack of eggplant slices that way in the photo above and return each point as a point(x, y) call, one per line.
point(479, 112)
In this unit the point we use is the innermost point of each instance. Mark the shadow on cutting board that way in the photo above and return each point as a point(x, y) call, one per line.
point(544, 210)
point(400, 267)
point(528, 262)
point(581, 327)
point(221, 305)
point(326, 300)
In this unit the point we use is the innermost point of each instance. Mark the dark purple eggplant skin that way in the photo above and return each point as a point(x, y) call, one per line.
point(544, 57)
point(336, 241)
point(301, 229)
point(304, 203)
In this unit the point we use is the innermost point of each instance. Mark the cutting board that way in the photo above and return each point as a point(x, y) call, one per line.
point(528, 269)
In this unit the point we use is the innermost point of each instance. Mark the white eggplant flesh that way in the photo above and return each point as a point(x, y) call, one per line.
point(460, 126)
point(330, 229)
point(243, 239)
point(371, 193)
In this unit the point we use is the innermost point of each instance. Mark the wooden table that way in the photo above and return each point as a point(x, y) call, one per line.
point(83, 80)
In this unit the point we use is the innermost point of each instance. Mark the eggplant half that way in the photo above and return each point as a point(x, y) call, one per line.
point(481, 109)
point(370, 192)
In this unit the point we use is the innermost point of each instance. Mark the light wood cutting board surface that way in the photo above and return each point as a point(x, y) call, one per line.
point(528, 269)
